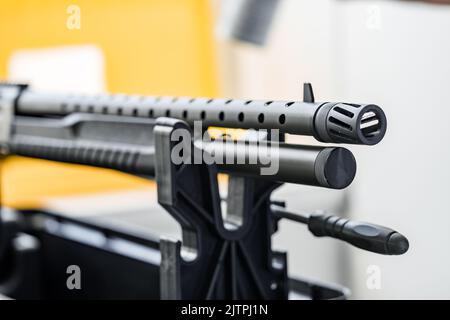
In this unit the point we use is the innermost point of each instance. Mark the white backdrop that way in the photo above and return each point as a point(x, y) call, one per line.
point(392, 53)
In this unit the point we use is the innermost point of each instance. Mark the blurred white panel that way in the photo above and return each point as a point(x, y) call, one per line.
point(298, 50)
point(397, 54)
point(392, 53)
point(66, 69)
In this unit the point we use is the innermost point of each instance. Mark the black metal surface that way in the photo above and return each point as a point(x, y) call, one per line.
point(20, 263)
point(104, 274)
point(41, 272)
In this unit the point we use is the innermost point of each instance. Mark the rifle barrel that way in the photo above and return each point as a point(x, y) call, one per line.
point(328, 122)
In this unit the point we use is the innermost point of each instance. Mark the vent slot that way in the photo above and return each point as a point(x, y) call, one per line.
point(354, 105)
point(344, 112)
point(290, 103)
point(370, 124)
point(340, 123)
point(342, 135)
point(261, 118)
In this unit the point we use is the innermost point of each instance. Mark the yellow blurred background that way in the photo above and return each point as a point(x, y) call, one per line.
point(161, 47)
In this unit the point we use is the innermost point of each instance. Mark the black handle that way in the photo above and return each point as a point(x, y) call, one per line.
point(363, 235)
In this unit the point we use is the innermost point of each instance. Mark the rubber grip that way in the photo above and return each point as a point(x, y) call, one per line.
point(363, 235)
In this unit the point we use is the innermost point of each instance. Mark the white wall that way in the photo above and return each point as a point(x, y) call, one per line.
point(392, 53)
point(404, 65)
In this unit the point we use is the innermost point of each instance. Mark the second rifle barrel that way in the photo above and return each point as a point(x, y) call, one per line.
point(328, 122)
point(330, 167)
point(83, 139)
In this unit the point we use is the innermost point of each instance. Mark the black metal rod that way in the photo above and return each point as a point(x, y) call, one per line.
point(282, 213)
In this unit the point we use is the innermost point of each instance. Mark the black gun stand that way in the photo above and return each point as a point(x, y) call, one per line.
point(237, 264)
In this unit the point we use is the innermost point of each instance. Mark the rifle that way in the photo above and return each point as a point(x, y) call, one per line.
point(140, 134)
